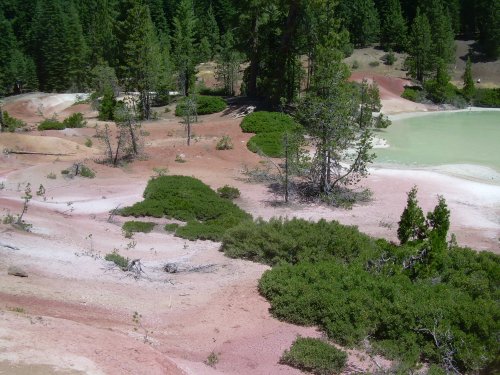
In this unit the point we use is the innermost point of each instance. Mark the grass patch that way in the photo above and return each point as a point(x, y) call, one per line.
point(314, 356)
point(117, 259)
point(51, 124)
point(207, 215)
point(138, 226)
point(12, 124)
point(205, 105)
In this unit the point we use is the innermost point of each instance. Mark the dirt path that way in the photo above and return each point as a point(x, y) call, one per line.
point(73, 314)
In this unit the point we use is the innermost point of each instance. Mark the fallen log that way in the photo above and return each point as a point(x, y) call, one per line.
point(34, 153)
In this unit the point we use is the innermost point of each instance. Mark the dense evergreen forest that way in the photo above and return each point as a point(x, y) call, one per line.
point(154, 45)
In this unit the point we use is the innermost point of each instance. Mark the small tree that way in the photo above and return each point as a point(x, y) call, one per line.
point(412, 225)
point(469, 88)
point(439, 219)
point(190, 115)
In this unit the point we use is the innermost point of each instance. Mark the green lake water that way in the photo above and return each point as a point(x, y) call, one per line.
point(443, 139)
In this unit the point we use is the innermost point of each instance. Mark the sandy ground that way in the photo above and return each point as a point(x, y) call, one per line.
point(73, 314)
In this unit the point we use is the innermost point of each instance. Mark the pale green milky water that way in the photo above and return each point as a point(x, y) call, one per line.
point(443, 138)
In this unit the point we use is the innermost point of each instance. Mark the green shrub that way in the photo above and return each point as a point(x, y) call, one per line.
point(75, 121)
point(315, 356)
point(415, 94)
point(269, 128)
point(390, 58)
point(117, 259)
point(185, 198)
point(268, 122)
point(292, 241)
point(51, 124)
point(86, 172)
point(354, 287)
point(487, 98)
point(225, 143)
point(374, 63)
point(228, 192)
point(355, 65)
point(212, 91)
point(171, 227)
point(138, 226)
point(440, 93)
point(11, 123)
point(88, 142)
point(270, 144)
point(108, 104)
point(205, 105)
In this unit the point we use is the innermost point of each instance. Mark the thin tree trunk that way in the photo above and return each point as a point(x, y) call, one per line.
point(253, 69)
point(2, 124)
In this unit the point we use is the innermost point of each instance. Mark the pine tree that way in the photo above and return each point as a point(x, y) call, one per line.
point(50, 45)
point(412, 224)
point(210, 28)
point(443, 37)
point(184, 53)
point(469, 87)
point(142, 56)
point(228, 62)
point(158, 15)
point(488, 21)
point(204, 51)
point(420, 47)
point(77, 51)
point(101, 37)
point(362, 21)
point(393, 27)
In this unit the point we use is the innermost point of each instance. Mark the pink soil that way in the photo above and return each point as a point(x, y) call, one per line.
point(77, 311)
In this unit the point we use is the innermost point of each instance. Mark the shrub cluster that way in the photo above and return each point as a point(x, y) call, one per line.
point(225, 143)
point(487, 98)
point(415, 94)
point(405, 298)
point(228, 192)
point(207, 215)
point(269, 129)
point(296, 240)
point(315, 356)
point(138, 226)
point(74, 121)
point(205, 105)
point(51, 124)
point(12, 124)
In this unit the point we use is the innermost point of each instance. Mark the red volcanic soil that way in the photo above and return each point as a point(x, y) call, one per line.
point(74, 312)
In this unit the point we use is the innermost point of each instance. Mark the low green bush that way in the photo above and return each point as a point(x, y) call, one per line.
point(224, 143)
point(12, 124)
point(51, 124)
point(444, 94)
point(75, 121)
point(292, 241)
point(86, 172)
point(374, 63)
point(315, 356)
point(228, 192)
point(212, 91)
point(268, 122)
point(171, 227)
point(487, 98)
point(270, 144)
point(205, 105)
point(269, 128)
point(138, 226)
point(415, 94)
point(207, 215)
point(117, 259)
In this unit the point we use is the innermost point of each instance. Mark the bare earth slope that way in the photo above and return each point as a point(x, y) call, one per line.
point(73, 314)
